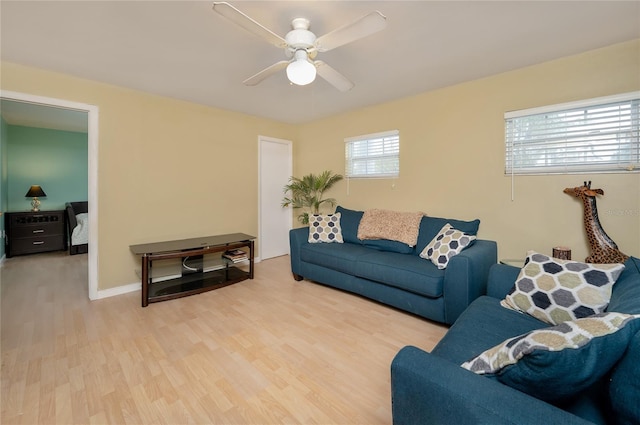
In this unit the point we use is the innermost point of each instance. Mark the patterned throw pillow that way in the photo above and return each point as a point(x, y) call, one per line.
point(557, 362)
point(556, 291)
point(448, 243)
point(325, 228)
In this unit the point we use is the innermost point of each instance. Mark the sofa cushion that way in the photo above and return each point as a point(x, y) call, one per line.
point(349, 222)
point(340, 257)
point(325, 228)
point(448, 243)
point(624, 385)
point(430, 226)
point(387, 245)
point(402, 271)
point(560, 361)
point(482, 325)
point(557, 291)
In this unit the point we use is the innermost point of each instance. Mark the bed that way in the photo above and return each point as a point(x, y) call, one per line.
point(78, 227)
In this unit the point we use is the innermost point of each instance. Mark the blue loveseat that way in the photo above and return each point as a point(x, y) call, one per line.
point(432, 388)
point(393, 273)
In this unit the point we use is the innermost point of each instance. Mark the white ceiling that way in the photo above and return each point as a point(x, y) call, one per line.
point(184, 50)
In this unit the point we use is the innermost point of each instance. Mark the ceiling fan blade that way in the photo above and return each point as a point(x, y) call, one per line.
point(367, 25)
point(265, 73)
point(333, 77)
point(242, 20)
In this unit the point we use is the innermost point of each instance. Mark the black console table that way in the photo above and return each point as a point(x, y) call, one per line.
point(194, 277)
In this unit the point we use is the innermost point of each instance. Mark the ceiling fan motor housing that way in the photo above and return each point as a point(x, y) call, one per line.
point(300, 37)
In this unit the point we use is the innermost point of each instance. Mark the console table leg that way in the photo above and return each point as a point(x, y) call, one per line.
point(145, 281)
point(251, 259)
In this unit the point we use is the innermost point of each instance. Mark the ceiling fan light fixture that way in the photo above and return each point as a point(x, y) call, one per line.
point(301, 72)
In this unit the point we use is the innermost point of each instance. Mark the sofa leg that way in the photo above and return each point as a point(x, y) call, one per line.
point(297, 277)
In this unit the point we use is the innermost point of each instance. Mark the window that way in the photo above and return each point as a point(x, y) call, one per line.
point(595, 136)
point(373, 155)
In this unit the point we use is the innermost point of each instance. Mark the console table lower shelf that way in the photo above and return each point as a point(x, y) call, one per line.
point(195, 273)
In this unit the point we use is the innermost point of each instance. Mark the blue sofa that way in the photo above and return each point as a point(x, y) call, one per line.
point(432, 388)
point(392, 273)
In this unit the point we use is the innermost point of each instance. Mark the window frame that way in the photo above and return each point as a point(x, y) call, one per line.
point(371, 160)
point(562, 149)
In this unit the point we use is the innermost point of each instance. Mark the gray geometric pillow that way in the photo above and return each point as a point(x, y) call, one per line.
point(448, 243)
point(556, 291)
point(573, 334)
point(325, 228)
point(557, 362)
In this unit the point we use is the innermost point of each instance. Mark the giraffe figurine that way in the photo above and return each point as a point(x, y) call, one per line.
point(603, 249)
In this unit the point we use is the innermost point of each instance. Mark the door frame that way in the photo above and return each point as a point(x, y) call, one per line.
point(289, 143)
point(92, 162)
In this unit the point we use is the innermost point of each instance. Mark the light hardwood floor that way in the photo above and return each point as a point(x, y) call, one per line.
point(263, 351)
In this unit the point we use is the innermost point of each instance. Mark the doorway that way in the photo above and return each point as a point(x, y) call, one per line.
point(92, 162)
point(275, 166)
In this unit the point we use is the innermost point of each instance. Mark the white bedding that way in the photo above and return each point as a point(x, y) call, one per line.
point(80, 234)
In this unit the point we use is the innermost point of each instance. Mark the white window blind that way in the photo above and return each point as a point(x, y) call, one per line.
point(595, 135)
point(373, 155)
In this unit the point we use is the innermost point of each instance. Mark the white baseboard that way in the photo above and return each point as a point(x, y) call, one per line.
point(118, 290)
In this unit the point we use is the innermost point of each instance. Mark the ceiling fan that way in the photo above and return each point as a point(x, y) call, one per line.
point(301, 46)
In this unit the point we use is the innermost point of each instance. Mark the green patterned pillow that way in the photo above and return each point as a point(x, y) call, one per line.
point(556, 291)
point(557, 362)
point(325, 228)
point(448, 243)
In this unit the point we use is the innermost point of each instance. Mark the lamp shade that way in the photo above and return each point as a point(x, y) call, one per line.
point(35, 190)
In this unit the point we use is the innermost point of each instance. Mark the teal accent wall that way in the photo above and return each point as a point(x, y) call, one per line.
point(3, 179)
point(56, 160)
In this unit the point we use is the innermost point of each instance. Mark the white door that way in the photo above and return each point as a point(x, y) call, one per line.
point(275, 168)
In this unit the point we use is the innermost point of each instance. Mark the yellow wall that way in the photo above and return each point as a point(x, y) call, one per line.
point(158, 155)
point(452, 156)
point(163, 166)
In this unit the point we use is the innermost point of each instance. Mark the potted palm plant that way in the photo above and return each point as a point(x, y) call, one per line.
point(307, 193)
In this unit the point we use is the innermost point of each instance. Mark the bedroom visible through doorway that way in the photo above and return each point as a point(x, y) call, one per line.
point(24, 109)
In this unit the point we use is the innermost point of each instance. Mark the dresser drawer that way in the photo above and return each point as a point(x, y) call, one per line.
point(36, 244)
point(44, 229)
point(28, 219)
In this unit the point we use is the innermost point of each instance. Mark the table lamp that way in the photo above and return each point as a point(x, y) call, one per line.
point(35, 191)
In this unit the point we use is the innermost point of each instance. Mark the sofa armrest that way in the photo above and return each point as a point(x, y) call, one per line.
point(465, 277)
point(427, 389)
point(297, 237)
point(501, 280)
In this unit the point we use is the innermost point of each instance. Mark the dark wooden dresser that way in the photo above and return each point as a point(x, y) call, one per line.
point(33, 232)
